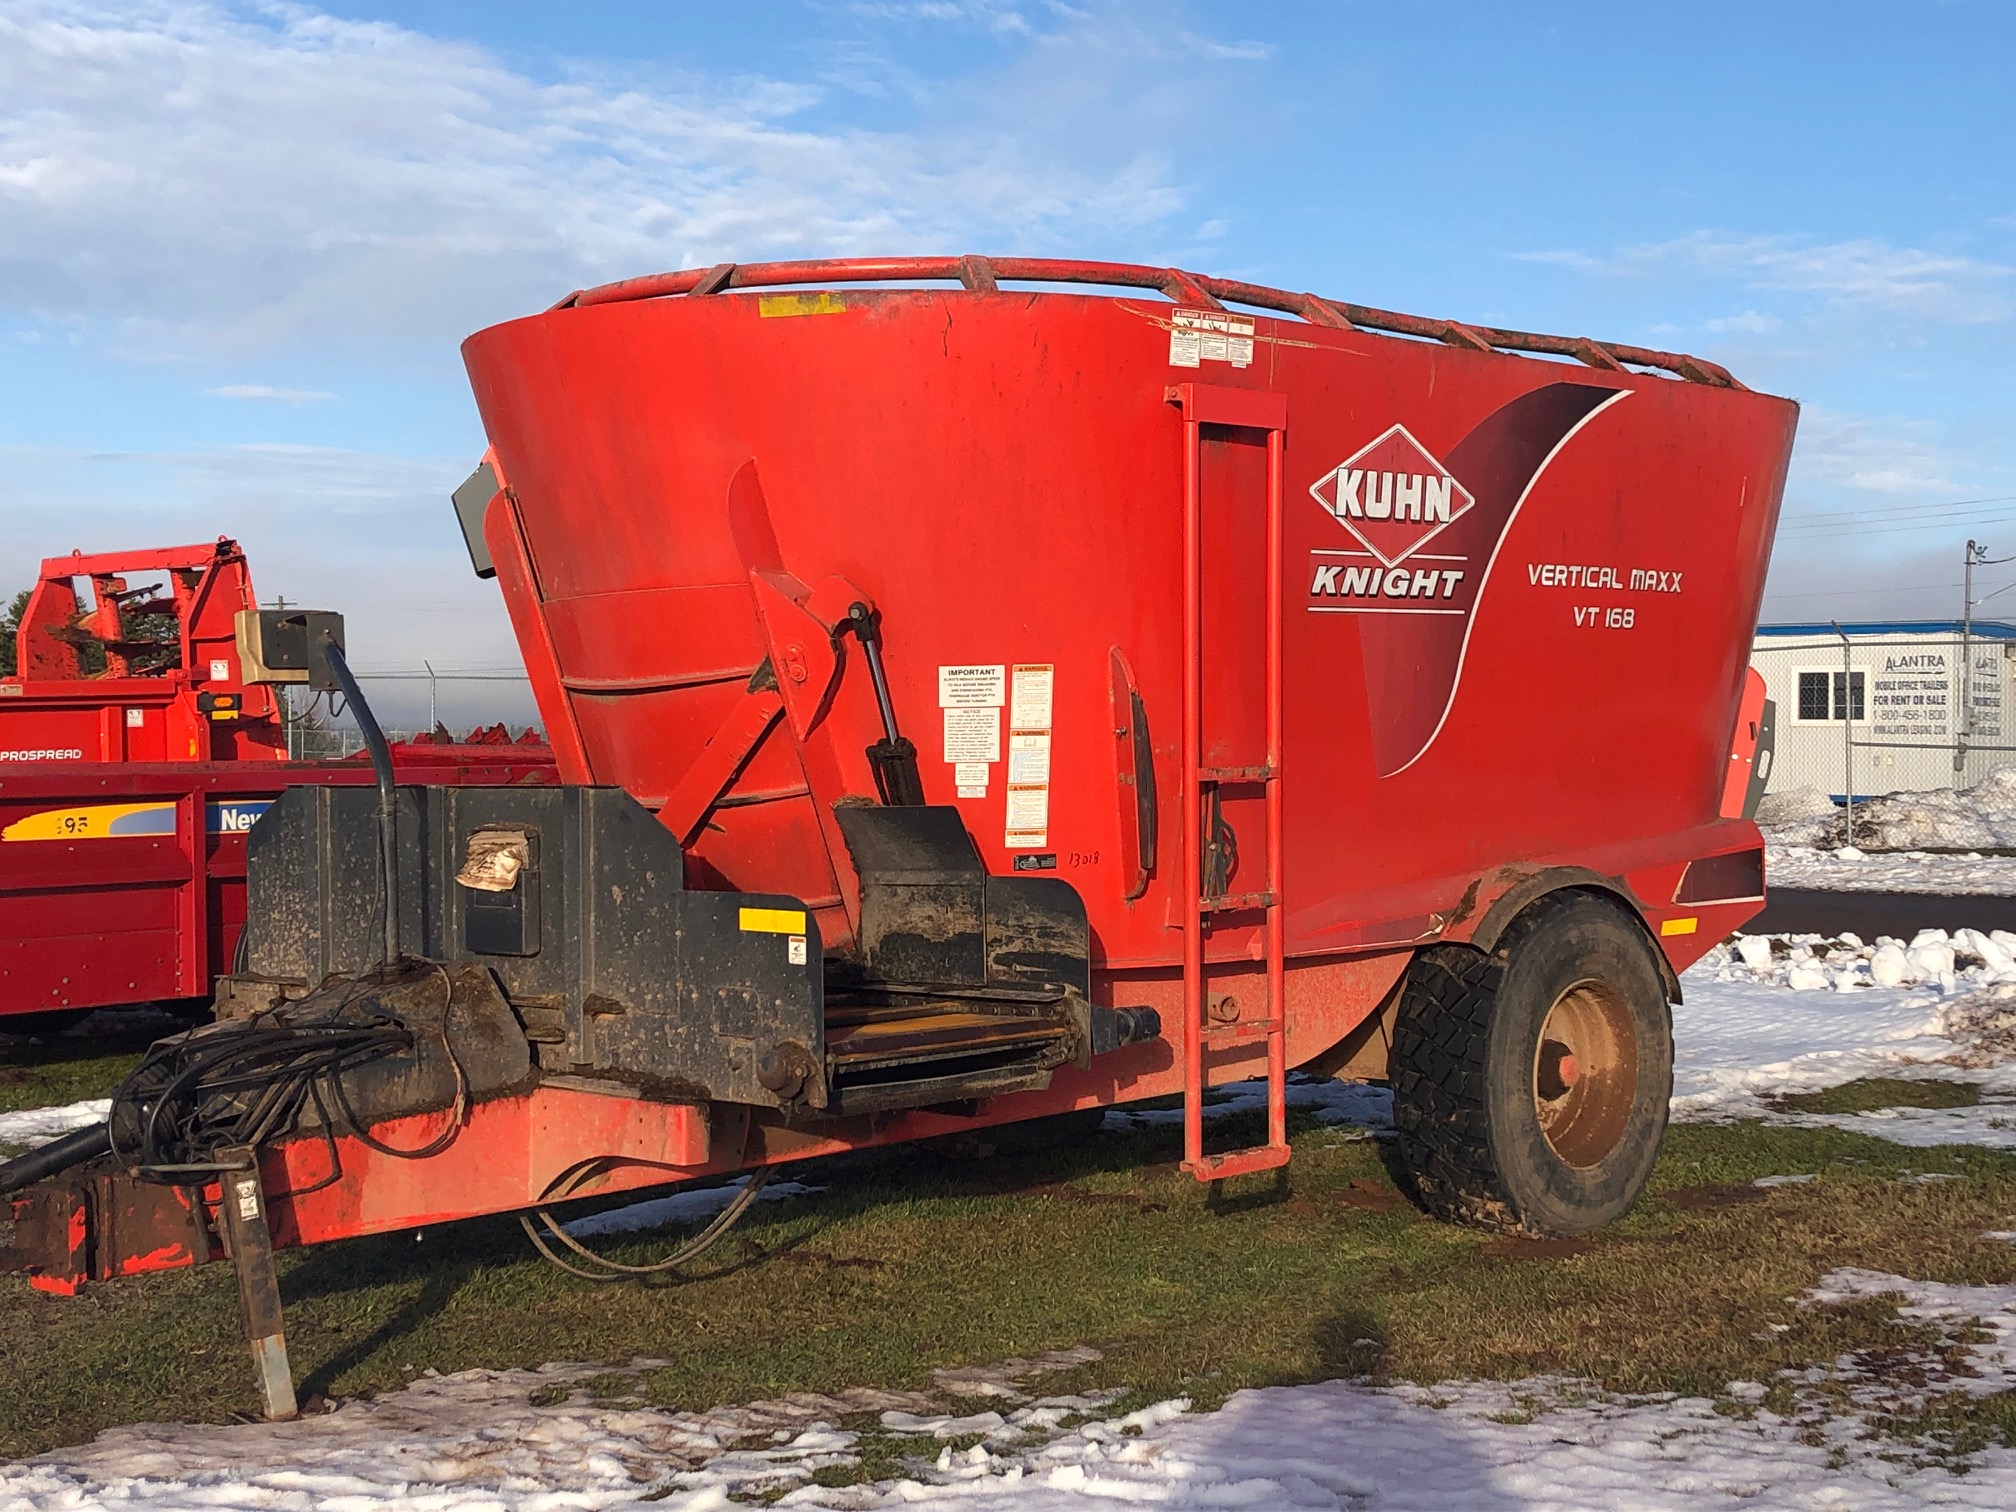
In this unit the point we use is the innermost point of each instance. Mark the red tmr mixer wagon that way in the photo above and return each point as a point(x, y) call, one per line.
point(140, 740)
point(977, 704)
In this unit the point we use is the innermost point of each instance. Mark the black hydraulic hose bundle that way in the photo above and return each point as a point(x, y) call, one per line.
point(242, 1084)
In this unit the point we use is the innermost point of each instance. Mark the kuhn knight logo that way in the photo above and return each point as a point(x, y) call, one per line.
point(1419, 538)
point(1393, 496)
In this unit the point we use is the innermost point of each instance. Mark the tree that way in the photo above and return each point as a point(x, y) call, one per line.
point(9, 623)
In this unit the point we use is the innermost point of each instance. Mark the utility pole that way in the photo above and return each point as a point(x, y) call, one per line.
point(1963, 722)
point(1847, 704)
point(433, 718)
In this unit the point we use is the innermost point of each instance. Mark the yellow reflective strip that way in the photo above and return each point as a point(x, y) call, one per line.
point(769, 306)
point(773, 920)
point(1678, 926)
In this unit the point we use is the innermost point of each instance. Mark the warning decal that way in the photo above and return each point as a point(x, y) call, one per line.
point(1031, 699)
point(1199, 336)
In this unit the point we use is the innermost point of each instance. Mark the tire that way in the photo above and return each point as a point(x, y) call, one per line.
point(1530, 1086)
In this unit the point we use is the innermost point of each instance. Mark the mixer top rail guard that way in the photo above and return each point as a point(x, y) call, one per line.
point(982, 275)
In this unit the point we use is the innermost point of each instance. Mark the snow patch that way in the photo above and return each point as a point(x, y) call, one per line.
point(1771, 1015)
point(34, 1126)
point(690, 1206)
point(1349, 1106)
point(472, 1441)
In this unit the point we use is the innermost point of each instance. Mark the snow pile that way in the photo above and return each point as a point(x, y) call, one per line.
point(1849, 869)
point(1965, 960)
point(475, 1441)
point(34, 1126)
point(1943, 818)
point(1808, 843)
point(1799, 816)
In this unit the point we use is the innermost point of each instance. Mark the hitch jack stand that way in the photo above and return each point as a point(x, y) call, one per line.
point(251, 1244)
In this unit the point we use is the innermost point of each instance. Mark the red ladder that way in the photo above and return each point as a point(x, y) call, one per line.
point(1202, 405)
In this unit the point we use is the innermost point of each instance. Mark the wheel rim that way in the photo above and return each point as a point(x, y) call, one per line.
point(1585, 1073)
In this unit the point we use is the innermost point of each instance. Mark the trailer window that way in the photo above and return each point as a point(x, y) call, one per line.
point(1812, 695)
point(1831, 695)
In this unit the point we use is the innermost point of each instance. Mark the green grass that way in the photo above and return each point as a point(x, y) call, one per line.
point(44, 1073)
point(68, 1068)
point(1869, 1093)
point(911, 1261)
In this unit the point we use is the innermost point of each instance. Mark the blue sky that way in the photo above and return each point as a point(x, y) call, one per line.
point(240, 244)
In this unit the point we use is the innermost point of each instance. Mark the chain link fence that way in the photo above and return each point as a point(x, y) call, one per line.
point(1888, 740)
point(409, 705)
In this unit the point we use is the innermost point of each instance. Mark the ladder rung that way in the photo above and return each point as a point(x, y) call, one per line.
point(1237, 1162)
point(1235, 901)
point(1236, 774)
point(1241, 1034)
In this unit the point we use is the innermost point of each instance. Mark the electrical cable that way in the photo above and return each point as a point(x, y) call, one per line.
point(614, 1270)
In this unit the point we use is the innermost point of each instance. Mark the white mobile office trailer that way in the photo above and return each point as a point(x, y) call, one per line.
point(1876, 707)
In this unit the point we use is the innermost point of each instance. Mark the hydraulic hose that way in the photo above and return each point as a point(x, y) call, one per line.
point(388, 794)
point(55, 1157)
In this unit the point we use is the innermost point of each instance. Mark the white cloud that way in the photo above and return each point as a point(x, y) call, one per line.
point(1889, 457)
point(1865, 272)
point(1749, 323)
point(263, 391)
point(218, 177)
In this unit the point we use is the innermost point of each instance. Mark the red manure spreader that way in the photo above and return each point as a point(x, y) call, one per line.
point(974, 705)
point(140, 740)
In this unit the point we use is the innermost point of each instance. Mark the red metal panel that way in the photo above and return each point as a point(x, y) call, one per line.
point(94, 922)
point(508, 1156)
point(1743, 746)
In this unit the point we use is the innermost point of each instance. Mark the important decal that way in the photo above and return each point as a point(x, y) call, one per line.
point(970, 698)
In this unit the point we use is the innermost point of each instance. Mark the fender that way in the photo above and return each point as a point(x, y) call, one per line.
point(1513, 889)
